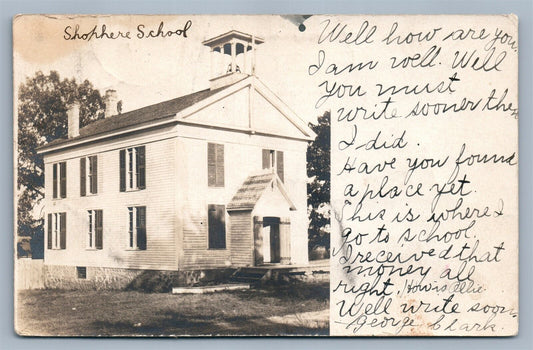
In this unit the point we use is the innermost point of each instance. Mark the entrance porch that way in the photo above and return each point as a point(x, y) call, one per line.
point(263, 207)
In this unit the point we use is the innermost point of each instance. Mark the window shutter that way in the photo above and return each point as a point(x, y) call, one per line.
point(122, 170)
point(216, 221)
point(94, 178)
point(266, 159)
point(130, 227)
point(211, 164)
point(98, 239)
point(141, 167)
point(211, 223)
point(63, 230)
point(279, 164)
point(82, 177)
point(63, 179)
point(221, 220)
point(220, 165)
point(54, 171)
point(141, 228)
point(49, 238)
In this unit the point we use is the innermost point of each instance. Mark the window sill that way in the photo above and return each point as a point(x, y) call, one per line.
point(217, 248)
point(135, 250)
point(133, 190)
point(89, 195)
point(93, 249)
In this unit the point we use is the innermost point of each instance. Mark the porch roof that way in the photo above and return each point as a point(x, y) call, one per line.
point(253, 188)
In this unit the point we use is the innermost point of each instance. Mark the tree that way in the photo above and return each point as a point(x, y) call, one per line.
point(318, 186)
point(43, 102)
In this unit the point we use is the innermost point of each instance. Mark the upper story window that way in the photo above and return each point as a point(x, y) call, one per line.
point(59, 171)
point(274, 160)
point(88, 175)
point(137, 228)
point(132, 169)
point(215, 165)
point(57, 231)
point(95, 231)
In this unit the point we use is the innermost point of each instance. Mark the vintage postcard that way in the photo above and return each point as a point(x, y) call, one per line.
point(266, 175)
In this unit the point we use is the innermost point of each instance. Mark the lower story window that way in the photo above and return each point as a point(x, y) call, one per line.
point(95, 232)
point(57, 231)
point(137, 228)
point(217, 226)
point(82, 272)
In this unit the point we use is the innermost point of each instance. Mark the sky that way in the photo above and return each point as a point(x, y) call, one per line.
point(150, 70)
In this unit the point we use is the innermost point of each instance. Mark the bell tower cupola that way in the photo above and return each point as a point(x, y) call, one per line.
point(232, 57)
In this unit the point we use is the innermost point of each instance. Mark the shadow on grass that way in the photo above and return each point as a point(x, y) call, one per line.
point(151, 281)
point(281, 309)
point(292, 290)
point(299, 290)
point(176, 324)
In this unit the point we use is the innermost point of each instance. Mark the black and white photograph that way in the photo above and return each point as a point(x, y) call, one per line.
point(164, 186)
point(266, 175)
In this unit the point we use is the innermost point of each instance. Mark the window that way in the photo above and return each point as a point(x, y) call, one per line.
point(88, 175)
point(59, 171)
point(217, 226)
point(57, 231)
point(137, 228)
point(132, 169)
point(274, 160)
point(82, 272)
point(94, 237)
point(215, 165)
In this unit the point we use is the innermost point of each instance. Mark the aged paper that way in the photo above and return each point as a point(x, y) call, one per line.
point(266, 175)
point(424, 174)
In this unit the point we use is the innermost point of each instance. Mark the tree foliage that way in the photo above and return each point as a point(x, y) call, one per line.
point(43, 102)
point(318, 186)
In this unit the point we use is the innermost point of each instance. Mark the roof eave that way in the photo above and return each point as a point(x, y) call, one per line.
point(307, 133)
point(247, 208)
point(215, 40)
point(99, 137)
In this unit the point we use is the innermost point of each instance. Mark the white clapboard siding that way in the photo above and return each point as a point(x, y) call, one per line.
point(158, 197)
point(243, 157)
point(241, 235)
point(196, 252)
point(177, 194)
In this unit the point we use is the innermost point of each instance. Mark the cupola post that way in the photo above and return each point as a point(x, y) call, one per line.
point(232, 57)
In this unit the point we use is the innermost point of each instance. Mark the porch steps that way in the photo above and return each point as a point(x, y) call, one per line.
point(249, 275)
point(255, 275)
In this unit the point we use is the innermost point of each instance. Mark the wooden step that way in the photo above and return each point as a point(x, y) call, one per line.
point(249, 275)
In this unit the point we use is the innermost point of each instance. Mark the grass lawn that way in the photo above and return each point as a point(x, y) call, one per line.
point(131, 313)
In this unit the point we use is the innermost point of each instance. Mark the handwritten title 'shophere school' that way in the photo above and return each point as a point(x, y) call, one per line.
point(208, 180)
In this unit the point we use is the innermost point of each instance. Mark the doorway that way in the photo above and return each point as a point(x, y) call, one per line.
point(271, 240)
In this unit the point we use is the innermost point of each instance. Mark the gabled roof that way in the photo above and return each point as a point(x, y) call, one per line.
point(176, 110)
point(252, 189)
point(226, 37)
point(139, 116)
